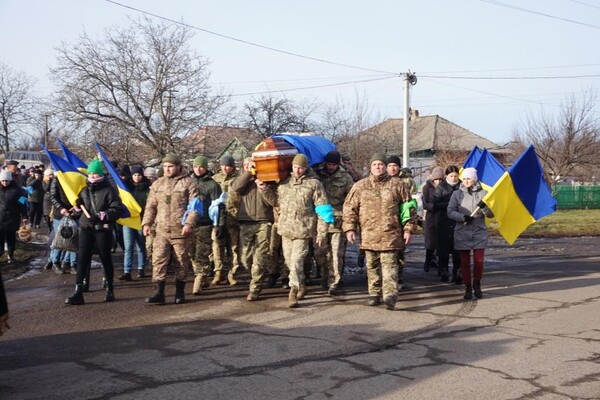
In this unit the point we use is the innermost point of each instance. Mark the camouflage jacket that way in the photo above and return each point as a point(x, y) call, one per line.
point(233, 199)
point(337, 186)
point(374, 203)
point(255, 205)
point(167, 202)
point(297, 198)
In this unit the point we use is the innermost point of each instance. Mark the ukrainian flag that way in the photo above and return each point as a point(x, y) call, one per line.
point(131, 209)
point(521, 196)
point(70, 178)
point(72, 158)
point(472, 159)
point(489, 170)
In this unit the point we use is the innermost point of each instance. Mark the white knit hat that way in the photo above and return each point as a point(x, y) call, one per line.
point(6, 176)
point(469, 173)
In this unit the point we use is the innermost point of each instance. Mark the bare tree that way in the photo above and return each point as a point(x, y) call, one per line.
point(269, 115)
point(568, 141)
point(17, 104)
point(143, 80)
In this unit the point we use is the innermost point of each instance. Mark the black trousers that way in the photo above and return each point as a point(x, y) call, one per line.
point(10, 238)
point(101, 241)
point(36, 211)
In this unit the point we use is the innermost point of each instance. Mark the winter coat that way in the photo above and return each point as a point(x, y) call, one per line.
point(12, 211)
point(431, 216)
point(47, 202)
point(233, 199)
point(337, 186)
point(208, 191)
point(255, 205)
point(98, 197)
point(444, 225)
point(167, 202)
point(37, 195)
point(472, 235)
point(58, 198)
point(140, 192)
point(374, 205)
point(297, 198)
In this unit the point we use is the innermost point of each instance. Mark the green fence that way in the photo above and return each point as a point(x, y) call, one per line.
point(571, 197)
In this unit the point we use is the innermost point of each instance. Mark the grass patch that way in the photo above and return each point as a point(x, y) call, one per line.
point(564, 223)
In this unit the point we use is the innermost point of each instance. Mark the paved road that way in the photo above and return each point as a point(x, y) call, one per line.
point(536, 334)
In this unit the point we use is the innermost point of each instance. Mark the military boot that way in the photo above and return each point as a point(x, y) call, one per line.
point(272, 282)
point(197, 288)
point(179, 292)
point(253, 295)
point(231, 279)
point(390, 302)
point(468, 292)
point(477, 289)
point(110, 293)
point(77, 298)
point(159, 295)
point(301, 292)
point(293, 298)
point(217, 279)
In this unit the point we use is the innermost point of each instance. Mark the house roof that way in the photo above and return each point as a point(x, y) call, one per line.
point(211, 140)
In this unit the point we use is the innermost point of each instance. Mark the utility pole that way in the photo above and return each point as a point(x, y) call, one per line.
point(46, 130)
point(409, 79)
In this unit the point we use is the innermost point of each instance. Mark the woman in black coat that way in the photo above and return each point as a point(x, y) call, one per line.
point(101, 206)
point(13, 210)
point(437, 175)
point(445, 226)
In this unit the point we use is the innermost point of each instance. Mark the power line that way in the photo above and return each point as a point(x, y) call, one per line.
point(491, 78)
point(501, 4)
point(510, 69)
point(585, 4)
point(289, 53)
point(303, 79)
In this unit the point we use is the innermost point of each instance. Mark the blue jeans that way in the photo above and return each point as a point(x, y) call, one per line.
point(134, 239)
point(58, 256)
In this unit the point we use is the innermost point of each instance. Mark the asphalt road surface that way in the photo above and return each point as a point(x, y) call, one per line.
point(534, 335)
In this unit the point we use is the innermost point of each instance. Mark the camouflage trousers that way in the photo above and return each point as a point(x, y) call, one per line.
point(330, 257)
point(201, 249)
point(149, 246)
point(229, 244)
point(170, 251)
point(254, 239)
point(294, 253)
point(382, 273)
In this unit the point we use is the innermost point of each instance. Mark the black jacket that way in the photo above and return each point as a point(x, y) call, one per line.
point(11, 210)
point(99, 197)
point(58, 198)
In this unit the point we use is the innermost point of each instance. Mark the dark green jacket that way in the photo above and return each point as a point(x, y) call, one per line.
point(208, 190)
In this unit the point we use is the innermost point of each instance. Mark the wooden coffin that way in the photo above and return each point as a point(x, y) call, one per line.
point(273, 158)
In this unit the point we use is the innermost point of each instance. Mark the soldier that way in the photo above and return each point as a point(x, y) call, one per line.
point(301, 197)
point(407, 177)
point(208, 190)
point(374, 204)
point(167, 202)
point(393, 169)
point(230, 243)
point(330, 255)
point(255, 216)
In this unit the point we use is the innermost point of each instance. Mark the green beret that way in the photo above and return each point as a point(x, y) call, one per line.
point(96, 167)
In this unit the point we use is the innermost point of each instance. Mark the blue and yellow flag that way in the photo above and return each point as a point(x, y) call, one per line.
point(521, 196)
point(489, 170)
point(131, 209)
point(72, 158)
point(472, 159)
point(70, 178)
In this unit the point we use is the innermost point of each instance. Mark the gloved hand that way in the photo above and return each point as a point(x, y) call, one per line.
point(481, 204)
point(94, 219)
point(221, 232)
point(468, 218)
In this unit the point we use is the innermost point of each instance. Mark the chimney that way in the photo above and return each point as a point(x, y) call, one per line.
point(414, 113)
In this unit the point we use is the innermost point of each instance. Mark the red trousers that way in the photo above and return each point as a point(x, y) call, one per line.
point(465, 265)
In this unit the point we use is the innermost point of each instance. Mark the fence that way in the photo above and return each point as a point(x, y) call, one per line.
point(570, 197)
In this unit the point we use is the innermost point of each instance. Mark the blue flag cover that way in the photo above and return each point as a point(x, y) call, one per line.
point(521, 196)
point(70, 178)
point(72, 158)
point(131, 209)
point(313, 147)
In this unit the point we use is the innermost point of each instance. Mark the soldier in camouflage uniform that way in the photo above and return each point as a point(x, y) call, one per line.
point(298, 197)
point(407, 178)
point(255, 216)
point(208, 190)
point(230, 242)
point(374, 203)
point(167, 202)
point(393, 169)
point(330, 255)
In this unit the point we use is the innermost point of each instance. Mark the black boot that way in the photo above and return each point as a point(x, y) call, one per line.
point(444, 277)
point(159, 295)
point(468, 292)
point(456, 277)
point(477, 289)
point(110, 294)
point(179, 292)
point(77, 298)
point(272, 282)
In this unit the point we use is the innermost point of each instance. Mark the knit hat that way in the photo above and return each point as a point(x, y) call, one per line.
point(469, 173)
point(125, 170)
point(137, 169)
point(300, 160)
point(201, 161)
point(95, 167)
point(48, 171)
point(394, 160)
point(172, 159)
point(378, 157)
point(333, 157)
point(149, 171)
point(38, 171)
point(437, 173)
point(5, 176)
point(227, 161)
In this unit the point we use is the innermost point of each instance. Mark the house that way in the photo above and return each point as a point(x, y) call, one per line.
point(216, 141)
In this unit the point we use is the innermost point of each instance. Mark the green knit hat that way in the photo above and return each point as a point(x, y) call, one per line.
point(378, 157)
point(201, 161)
point(300, 160)
point(172, 159)
point(96, 167)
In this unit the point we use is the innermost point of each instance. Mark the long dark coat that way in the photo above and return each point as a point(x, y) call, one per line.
point(11, 209)
point(444, 225)
point(431, 216)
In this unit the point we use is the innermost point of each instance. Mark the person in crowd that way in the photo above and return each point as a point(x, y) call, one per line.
point(375, 203)
point(47, 201)
point(445, 226)
point(299, 198)
point(208, 191)
point(133, 239)
point(13, 211)
point(467, 208)
point(150, 174)
point(13, 167)
point(435, 178)
point(35, 198)
point(4, 325)
point(167, 203)
point(63, 262)
point(229, 244)
point(255, 216)
point(406, 175)
point(277, 268)
point(99, 206)
point(330, 255)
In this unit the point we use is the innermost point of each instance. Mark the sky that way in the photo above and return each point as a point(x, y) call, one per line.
point(485, 65)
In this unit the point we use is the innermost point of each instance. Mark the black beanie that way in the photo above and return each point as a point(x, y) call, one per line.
point(333, 157)
point(394, 160)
